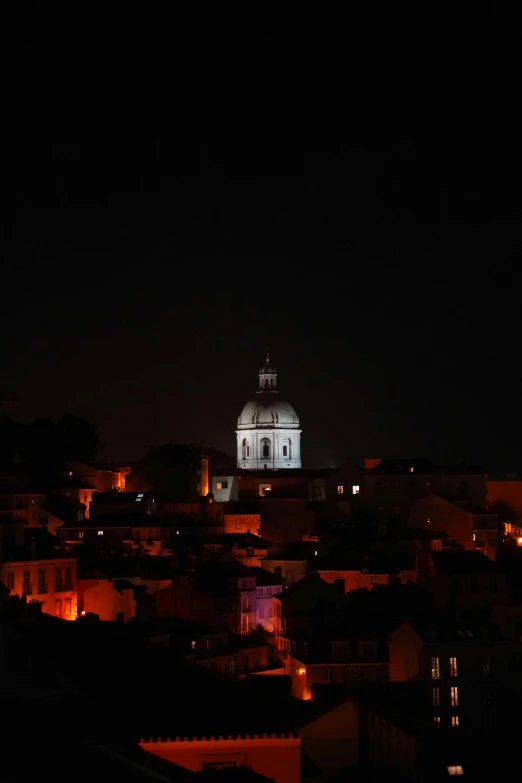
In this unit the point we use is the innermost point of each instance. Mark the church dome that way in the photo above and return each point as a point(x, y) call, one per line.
point(268, 434)
point(266, 409)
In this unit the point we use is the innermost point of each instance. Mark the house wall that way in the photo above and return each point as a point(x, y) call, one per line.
point(355, 580)
point(265, 606)
point(404, 650)
point(275, 757)
point(242, 523)
point(291, 570)
point(104, 600)
point(58, 602)
point(305, 675)
point(332, 741)
point(509, 492)
point(435, 513)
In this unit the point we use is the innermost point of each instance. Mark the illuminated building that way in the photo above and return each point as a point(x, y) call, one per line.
point(49, 581)
point(268, 434)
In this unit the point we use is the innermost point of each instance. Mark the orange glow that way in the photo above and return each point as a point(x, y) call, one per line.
point(82, 612)
point(520, 541)
point(302, 670)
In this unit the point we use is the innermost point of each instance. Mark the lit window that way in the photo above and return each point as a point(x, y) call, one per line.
point(474, 536)
point(436, 720)
point(453, 667)
point(70, 473)
point(80, 533)
point(100, 532)
point(222, 485)
point(435, 668)
point(454, 696)
point(193, 645)
point(340, 489)
point(355, 489)
point(412, 469)
point(455, 721)
point(315, 553)
point(436, 697)
point(455, 770)
point(139, 497)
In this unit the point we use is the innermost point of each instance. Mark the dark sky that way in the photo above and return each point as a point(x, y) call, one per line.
point(145, 280)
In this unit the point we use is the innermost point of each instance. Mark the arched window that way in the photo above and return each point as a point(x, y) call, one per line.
point(287, 448)
point(246, 449)
point(265, 447)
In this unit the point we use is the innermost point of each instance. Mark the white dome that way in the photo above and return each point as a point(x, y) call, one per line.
point(268, 434)
point(266, 410)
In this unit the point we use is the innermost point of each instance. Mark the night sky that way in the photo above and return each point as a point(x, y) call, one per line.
point(145, 280)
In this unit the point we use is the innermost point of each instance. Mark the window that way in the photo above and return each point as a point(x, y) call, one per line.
point(222, 485)
point(58, 579)
point(285, 451)
point(58, 608)
point(265, 489)
point(453, 667)
point(412, 469)
point(42, 587)
point(208, 644)
point(454, 691)
point(245, 448)
point(436, 697)
point(327, 675)
point(68, 606)
point(139, 497)
point(100, 532)
point(455, 721)
point(435, 668)
point(340, 489)
point(80, 533)
point(455, 770)
point(436, 720)
point(27, 583)
point(355, 489)
point(10, 580)
point(68, 579)
point(265, 447)
point(193, 644)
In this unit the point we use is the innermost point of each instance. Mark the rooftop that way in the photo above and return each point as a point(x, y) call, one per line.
point(463, 561)
point(422, 467)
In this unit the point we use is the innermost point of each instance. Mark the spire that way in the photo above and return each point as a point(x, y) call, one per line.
point(267, 376)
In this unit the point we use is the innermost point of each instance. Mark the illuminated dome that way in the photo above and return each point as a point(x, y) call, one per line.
point(268, 434)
